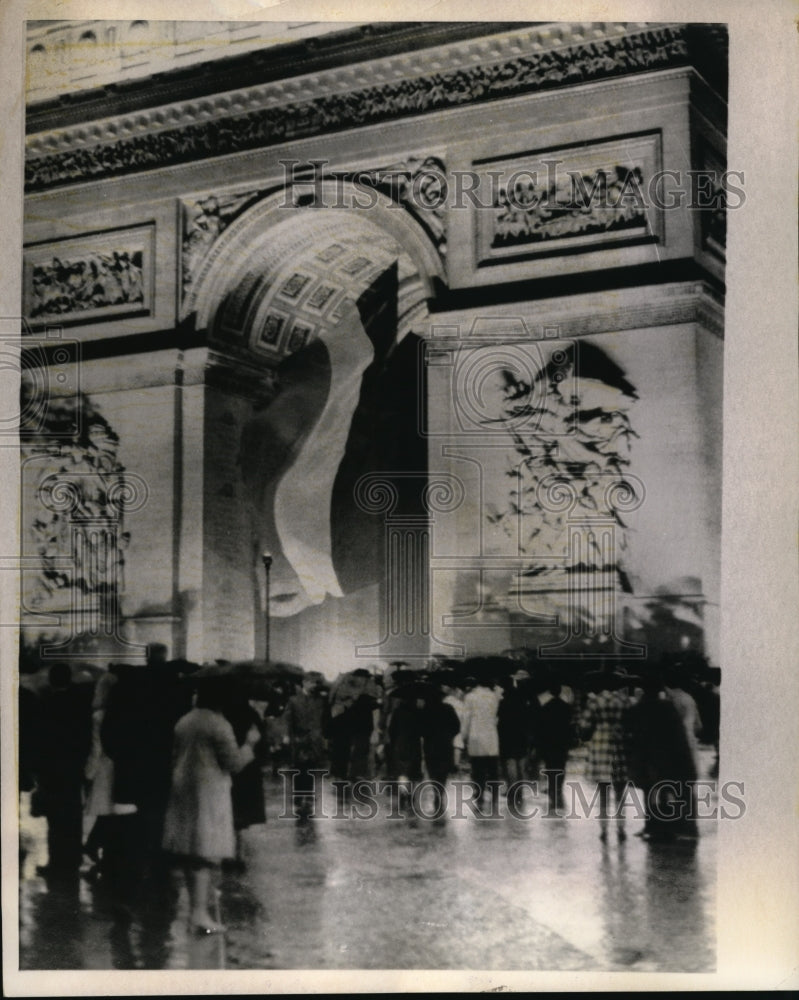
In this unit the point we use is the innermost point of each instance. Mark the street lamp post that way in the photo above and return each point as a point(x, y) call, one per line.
point(267, 559)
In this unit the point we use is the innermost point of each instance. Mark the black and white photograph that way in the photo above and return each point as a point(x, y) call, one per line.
point(384, 562)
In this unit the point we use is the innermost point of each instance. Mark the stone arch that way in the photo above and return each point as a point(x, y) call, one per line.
point(281, 276)
point(281, 232)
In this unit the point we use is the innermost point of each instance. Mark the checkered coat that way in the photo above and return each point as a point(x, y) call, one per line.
point(603, 717)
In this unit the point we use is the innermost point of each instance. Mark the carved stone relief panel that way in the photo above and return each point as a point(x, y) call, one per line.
point(92, 277)
point(568, 200)
point(76, 495)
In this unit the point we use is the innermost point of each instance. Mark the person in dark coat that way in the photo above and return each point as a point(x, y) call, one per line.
point(554, 738)
point(439, 725)
point(405, 736)
point(661, 764)
point(247, 785)
point(353, 717)
point(137, 734)
point(304, 716)
point(514, 726)
point(64, 739)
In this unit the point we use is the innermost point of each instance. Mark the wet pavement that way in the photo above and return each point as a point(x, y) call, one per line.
point(510, 893)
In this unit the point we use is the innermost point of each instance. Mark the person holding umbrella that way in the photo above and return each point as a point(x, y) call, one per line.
point(199, 819)
point(247, 785)
point(100, 776)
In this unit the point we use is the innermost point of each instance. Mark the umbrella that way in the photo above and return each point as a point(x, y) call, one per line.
point(82, 673)
point(182, 667)
point(212, 670)
point(490, 668)
point(256, 677)
point(608, 680)
point(251, 668)
point(414, 689)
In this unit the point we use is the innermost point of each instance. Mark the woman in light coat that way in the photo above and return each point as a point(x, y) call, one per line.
point(199, 818)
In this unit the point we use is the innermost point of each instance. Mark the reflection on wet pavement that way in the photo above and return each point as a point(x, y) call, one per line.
point(538, 894)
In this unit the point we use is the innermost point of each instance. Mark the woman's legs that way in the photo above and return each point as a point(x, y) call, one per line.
point(603, 788)
point(200, 896)
point(485, 774)
point(555, 769)
point(438, 775)
point(95, 842)
point(513, 770)
point(303, 793)
point(619, 789)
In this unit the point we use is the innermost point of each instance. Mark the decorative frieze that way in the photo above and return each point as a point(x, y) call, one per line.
point(91, 277)
point(294, 109)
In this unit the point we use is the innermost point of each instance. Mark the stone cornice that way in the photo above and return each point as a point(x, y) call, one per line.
point(411, 83)
point(648, 306)
point(320, 52)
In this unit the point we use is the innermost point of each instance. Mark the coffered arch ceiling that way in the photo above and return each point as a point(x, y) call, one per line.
point(281, 274)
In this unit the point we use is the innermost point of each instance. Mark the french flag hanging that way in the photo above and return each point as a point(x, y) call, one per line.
point(345, 406)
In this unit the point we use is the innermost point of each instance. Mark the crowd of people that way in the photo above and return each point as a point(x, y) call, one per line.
point(165, 763)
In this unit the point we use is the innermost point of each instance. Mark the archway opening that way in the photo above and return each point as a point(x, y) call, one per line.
point(325, 301)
